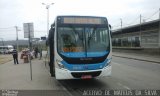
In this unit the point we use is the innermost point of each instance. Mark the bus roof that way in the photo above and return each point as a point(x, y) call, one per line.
point(80, 16)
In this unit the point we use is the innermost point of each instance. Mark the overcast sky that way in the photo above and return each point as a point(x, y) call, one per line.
point(16, 12)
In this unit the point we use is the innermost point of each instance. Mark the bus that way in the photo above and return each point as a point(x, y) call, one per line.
point(79, 47)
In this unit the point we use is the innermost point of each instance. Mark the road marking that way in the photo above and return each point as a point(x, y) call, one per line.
point(124, 86)
point(127, 87)
point(139, 59)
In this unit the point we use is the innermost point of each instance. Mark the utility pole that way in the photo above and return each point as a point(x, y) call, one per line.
point(2, 41)
point(121, 32)
point(17, 38)
point(140, 33)
point(159, 32)
point(121, 23)
point(3, 44)
point(47, 7)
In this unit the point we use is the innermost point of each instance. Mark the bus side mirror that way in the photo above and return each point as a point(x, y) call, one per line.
point(110, 27)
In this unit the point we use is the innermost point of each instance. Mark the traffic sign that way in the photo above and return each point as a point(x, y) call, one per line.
point(28, 28)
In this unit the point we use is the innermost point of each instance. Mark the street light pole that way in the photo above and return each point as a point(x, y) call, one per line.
point(17, 38)
point(47, 7)
point(159, 30)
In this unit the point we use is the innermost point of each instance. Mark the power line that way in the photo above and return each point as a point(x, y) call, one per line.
point(152, 15)
point(133, 21)
point(7, 28)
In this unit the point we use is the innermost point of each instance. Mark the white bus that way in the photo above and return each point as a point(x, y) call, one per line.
point(6, 49)
point(80, 47)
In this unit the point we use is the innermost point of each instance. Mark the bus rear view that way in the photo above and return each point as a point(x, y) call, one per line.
point(82, 47)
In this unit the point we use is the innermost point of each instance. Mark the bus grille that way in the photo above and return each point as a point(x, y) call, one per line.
point(80, 74)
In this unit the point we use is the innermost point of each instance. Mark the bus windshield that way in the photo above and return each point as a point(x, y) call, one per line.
point(83, 39)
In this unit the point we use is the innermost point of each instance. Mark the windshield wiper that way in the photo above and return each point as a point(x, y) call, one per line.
point(92, 35)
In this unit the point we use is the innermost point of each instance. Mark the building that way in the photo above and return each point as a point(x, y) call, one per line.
point(144, 36)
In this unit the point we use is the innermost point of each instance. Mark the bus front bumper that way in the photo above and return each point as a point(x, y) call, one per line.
point(62, 74)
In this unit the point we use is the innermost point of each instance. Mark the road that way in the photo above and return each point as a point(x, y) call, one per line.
point(126, 74)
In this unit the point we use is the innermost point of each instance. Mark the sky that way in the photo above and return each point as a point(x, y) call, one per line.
point(16, 12)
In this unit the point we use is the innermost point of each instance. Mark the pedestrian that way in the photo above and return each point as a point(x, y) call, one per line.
point(36, 52)
point(40, 53)
point(15, 56)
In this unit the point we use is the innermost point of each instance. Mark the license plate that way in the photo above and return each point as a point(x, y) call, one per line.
point(86, 77)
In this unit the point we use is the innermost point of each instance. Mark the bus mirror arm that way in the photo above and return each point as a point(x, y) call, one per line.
point(110, 27)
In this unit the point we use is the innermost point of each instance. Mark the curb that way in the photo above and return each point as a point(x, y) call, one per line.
point(137, 59)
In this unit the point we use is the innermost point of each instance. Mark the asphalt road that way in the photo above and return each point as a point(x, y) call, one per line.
point(126, 74)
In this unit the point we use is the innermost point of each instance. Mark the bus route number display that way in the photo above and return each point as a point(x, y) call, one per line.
point(72, 49)
point(82, 20)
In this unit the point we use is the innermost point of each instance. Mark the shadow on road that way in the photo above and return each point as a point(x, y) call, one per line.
point(78, 83)
point(77, 86)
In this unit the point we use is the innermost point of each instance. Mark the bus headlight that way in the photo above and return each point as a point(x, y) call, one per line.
point(60, 65)
point(108, 63)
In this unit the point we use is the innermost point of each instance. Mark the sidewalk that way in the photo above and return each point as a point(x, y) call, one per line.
point(18, 76)
point(135, 56)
